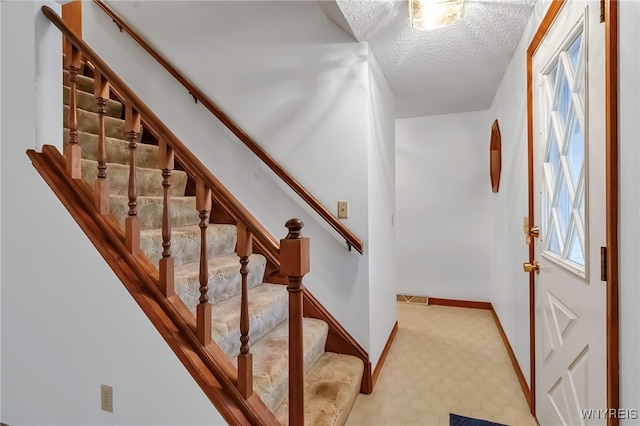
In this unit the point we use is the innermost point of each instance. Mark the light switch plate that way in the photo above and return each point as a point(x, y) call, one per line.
point(343, 210)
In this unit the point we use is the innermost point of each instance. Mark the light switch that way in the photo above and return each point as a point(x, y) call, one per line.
point(343, 210)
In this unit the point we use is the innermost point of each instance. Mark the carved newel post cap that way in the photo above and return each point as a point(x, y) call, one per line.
point(295, 228)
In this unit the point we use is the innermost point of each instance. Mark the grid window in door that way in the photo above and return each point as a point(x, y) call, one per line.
point(564, 174)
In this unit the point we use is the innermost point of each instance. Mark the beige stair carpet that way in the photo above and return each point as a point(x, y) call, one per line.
point(332, 381)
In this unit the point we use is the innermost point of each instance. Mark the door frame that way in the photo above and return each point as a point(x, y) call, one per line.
point(611, 163)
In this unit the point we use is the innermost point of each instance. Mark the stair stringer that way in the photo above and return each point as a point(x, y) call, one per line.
point(209, 367)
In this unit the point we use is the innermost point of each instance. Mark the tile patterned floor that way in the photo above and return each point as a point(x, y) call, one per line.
point(444, 360)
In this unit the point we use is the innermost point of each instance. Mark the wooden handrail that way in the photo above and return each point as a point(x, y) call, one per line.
point(351, 239)
point(190, 162)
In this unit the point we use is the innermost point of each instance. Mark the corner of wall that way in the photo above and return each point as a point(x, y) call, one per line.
point(381, 204)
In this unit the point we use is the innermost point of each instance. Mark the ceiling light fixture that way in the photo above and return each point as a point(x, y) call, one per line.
point(432, 14)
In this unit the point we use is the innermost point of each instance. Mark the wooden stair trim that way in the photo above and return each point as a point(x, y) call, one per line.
point(339, 340)
point(204, 367)
point(351, 239)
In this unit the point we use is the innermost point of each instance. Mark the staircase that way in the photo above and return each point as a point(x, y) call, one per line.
point(331, 380)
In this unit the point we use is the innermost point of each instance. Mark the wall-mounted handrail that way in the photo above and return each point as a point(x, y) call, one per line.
point(190, 162)
point(351, 239)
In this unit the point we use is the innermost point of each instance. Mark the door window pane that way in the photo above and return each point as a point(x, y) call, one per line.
point(574, 52)
point(563, 206)
point(565, 154)
point(575, 151)
point(576, 254)
point(563, 96)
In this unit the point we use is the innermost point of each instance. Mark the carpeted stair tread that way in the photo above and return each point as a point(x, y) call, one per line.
point(182, 210)
point(83, 83)
point(224, 278)
point(268, 305)
point(149, 181)
point(332, 381)
point(88, 122)
point(271, 359)
point(87, 101)
point(330, 389)
point(185, 243)
point(117, 150)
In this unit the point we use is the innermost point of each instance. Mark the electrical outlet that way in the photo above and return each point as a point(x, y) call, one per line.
point(343, 210)
point(106, 398)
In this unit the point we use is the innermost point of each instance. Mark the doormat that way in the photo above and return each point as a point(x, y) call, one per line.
point(456, 420)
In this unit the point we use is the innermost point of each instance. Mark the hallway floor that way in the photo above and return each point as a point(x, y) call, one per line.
point(444, 360)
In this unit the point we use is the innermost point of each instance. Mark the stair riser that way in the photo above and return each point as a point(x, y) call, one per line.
point(182, 211)
point(185, 246)
point(224, 281)
point(331, 387)
point(88, 122)
point(117, 150)
point(149, 181)
point(88, 102)
point(271, 366)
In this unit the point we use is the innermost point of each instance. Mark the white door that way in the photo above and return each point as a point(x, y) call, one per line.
point(569, 187)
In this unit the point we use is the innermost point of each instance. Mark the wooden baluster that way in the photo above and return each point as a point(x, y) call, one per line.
point(132, 225)
point(166, 160)
point(101, 184)
point(73, 152)
point(294, 263)
point(245, 359)
point(203, 311)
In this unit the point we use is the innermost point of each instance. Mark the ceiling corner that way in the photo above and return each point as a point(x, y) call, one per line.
point(335, 15)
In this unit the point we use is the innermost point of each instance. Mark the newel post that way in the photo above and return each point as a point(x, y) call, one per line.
point(294, 263)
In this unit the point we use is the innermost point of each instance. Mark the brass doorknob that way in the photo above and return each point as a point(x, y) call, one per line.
point(531, 267)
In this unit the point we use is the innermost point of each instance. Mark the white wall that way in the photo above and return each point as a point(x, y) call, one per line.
point(509, 285)
point(629, 40)
point(295, 82)
point(68, 324)
point(382, 204)
point(443, 198)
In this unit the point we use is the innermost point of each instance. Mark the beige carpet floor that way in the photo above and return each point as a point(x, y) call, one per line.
point(444, 360)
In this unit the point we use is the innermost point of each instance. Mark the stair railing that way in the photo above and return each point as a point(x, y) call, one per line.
point(351, 239)
point(292, 251)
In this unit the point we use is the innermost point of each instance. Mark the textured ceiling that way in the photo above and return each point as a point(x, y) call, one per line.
point(452, 69)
